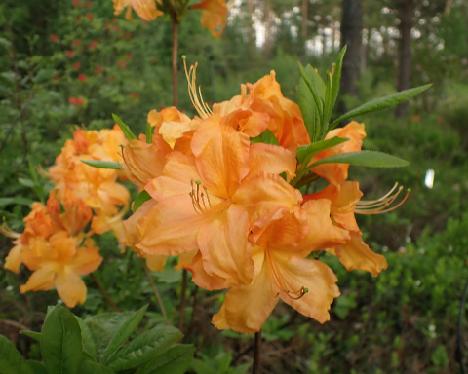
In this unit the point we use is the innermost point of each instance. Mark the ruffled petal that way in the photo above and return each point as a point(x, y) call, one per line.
point(87, 259)
point(13, 260)
point(357, 255)
point(155, 262)
point(71, 288)
point(42, 279)
point(246, 308)
point(272, 159)
point(307, 285)
point(224, 246)
point(201, 278)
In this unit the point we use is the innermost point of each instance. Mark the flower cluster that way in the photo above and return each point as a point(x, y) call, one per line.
point(236, 210)
point(214, 12)
point(56, 243)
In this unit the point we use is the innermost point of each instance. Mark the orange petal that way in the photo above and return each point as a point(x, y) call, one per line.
point(307, 285)
point(41, 280)
point(13, 260)
point(87, 259)
point(357, 255)
point(171, 228)
point(155, 262)
point(201, 278)
point(224, 246)
point(246, 308)
point(214, 15)
point(272, 159)
point(221, 156)
point(71, 288)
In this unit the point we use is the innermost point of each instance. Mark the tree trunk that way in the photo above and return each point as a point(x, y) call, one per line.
point(351, 35)
point(252, 35)
point(405, 14)
point(304, 19)
point(268, 19)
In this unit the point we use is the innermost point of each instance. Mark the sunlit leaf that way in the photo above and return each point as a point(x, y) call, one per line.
point(129, 134)
point(369, 159)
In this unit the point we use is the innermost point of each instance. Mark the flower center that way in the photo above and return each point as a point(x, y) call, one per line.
point(200, 197)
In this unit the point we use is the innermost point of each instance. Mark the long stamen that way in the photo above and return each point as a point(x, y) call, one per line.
point(196, 97)
point(385, 203)
point(300, 293)
point(200, 197)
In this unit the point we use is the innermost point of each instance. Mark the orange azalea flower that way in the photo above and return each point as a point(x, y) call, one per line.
point(205, 201)
point(145, 9)
point(214, 15)
point(262, 106)
point(337, 173)
point(283, 272)
point(355, 254)
point(59, 262)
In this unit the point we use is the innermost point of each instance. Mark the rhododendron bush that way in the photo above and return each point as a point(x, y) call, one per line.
point(245, 195)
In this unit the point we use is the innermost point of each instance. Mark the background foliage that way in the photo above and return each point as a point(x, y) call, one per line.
point(65, 64)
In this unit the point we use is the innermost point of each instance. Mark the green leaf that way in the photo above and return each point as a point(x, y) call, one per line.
point(336, 74)
point(149, 133)
point(146, 346)
point(89, 345)
point(11, 361)
point(129, 134)
point(304, 153)
point(174, 361)
point(368, 159)
point(265, 137)
point(382, 103)
point(102, 164)
point(93, 367)
point(140, 199)
point(121, 335)
point(32, 334)
point(37, 367)
point(61, 346)
point(312, 100)
point(6, 201)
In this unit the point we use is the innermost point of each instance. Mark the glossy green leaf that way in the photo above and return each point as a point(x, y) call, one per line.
point(129, 134)
point(32, 334)
point(336, 74)
point(142, 197)
point(369, 159)
point(149, 133)
point(174, 361)
point(11, 361)
point(89, 345)
point(61, 346)
point(382, 103)
point(102, 164)
point(145, 346)
point(124, 332)
point(304, 153)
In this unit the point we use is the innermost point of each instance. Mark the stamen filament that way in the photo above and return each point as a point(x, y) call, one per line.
point(385, 203)
point(196, 97)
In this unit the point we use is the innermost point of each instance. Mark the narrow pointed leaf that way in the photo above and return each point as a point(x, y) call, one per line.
point(32, 334)
point(102, 164)
point(129, 134)
point(382, 103)
point(304, 153)
point(267, 137)
point(144, 347)
point(123, 333)
point(368, 159)
point(174, 361)
point(336, 74)
point(149, 133)
point(140, 199)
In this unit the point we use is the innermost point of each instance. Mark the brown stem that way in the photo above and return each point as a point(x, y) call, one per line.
point(174, 59)
point(183, 289)
point(256, 353)
point(155, 290)
point(104, 294)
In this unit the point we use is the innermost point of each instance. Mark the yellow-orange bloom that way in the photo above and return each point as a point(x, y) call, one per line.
point(283, 272)
point(214, 15)
point(262, 106)
point(145, 9)
point(59, 262)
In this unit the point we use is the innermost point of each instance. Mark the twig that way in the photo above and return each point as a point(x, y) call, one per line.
point(104, 294)
point(155, 290)
point(256, 353)
point(183, 288)
point(16, 324)
point(174, 58)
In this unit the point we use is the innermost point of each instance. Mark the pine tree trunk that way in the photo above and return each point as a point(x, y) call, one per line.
point(405, 12)
point(351, 35)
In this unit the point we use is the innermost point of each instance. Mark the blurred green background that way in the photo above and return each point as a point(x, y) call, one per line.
point(65, 64)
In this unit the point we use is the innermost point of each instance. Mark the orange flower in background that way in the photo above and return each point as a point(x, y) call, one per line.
point(145, 9)
point(59, 262)
point(214, 15)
